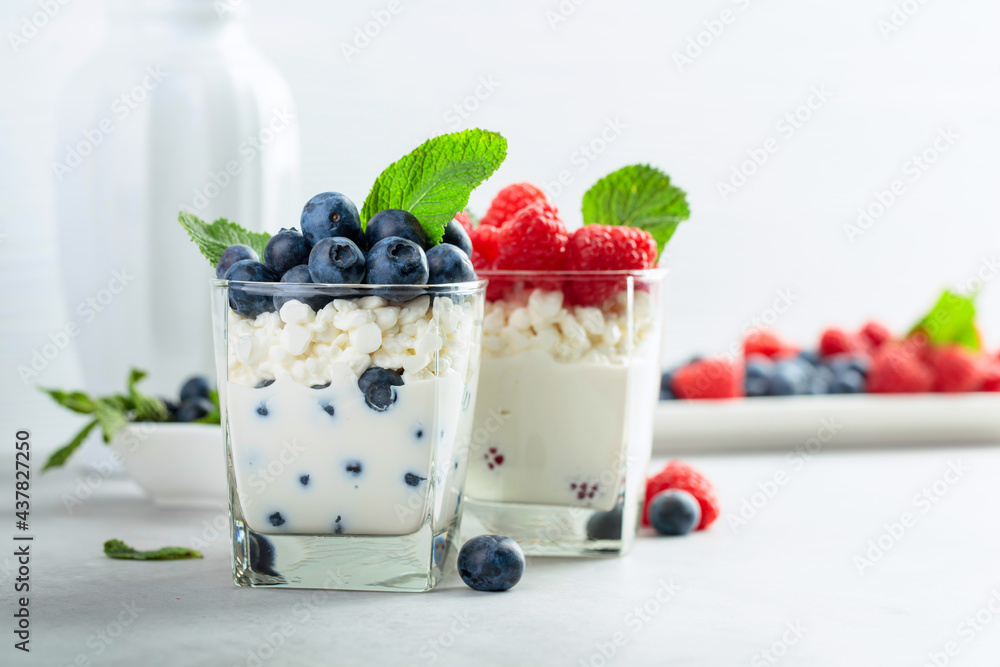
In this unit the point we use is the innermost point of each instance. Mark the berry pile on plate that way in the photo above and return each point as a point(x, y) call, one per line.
point(942, 353)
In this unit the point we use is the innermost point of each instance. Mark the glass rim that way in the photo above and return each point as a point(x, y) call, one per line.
point(657, 273)
point(470, 287)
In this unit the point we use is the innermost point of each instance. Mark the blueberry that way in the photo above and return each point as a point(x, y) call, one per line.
point(264, 383)
point(758, 376)
point(377, 384)
point(840, 362)
point(304, 480)
point(320, 386)
point(327, 408)
point(395, 222)
point(262, 409)
point(194, 387)
point(810, 356)
point(276, 519)
point(397, 261)
point(666, 380)
point(240, 300)
point(300, 274)
point(412, 479)
point(790, 378)
point(821, 380)
point(847, 381)
point(456, 235)
point(353, 467)
point(286, 249)
point(448, 264)
point(331, 214)
point(491, 563)
point(337, 260)
point(667, 394)
point(338, 528)
point(605, 525)
point(172, 407)
point(233, 254)
point(262, 554)
point(674, 512)
point(194, 408)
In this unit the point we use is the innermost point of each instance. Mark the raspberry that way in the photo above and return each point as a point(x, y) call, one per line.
point(957, 369)
point(708, 378)
point(607, 248)
point(768, 344)
point(991, 376)
point(679, 475)
point(875, 335)
point(837, 341)
point(897, 369)
point(533, 240)
point(465, 220)
point(509, 203)
point(485, 246)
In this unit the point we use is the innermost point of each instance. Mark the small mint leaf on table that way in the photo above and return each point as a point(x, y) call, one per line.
point(59, 457)
point(118, 549)
point(951, 320)
point(434, 181)
point(637, 196)
point(213, 238)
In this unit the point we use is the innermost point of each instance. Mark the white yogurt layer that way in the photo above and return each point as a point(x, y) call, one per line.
point(560, 397)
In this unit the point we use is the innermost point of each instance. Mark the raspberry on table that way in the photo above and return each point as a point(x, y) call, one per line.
point(680, 475)
point(708, 378)
point(509, 203)
point(607, 248)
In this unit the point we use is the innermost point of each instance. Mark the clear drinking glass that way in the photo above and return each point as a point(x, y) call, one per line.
point(336, 481)
point(564, 419)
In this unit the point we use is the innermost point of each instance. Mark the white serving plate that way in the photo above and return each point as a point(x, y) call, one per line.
point(829, 421)
point(178, 465)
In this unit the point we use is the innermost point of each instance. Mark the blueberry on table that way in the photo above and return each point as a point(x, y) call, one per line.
point(448, 264)
point(194, 387)
point(286, 249)
point(395, 222)
point(455, 234)
point(194, 408)
point(300, 275)
point(378, 386)
point(605, 525)
point(491, 563)
point(674, 512)
point(331, 214)
point(233, 254)
point(246, 303)
point(337, 260)
point(397, 261)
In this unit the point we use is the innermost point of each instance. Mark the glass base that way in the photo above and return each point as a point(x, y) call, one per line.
point(555, 530)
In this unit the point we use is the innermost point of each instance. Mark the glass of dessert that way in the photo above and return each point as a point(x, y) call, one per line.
point(569, 380)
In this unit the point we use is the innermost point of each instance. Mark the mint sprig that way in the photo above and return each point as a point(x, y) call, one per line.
point(951, 320)
point(637, 196)
point(118, 549)
point(61, 455)
point(434, 181)
point(213, 238)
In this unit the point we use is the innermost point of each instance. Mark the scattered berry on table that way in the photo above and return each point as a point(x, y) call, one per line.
point(491, 563)
point(680, 475)
point(674, 512)
point(286, 249)
point(605, 525)
point(509, 202)
point(331, 214)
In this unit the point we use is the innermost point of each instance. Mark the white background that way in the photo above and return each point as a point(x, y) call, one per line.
point(557, 87)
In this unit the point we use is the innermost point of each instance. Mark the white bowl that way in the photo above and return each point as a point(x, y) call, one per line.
point(178, 465)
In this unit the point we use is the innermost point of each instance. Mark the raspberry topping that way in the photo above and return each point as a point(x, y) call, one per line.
point(485, 246)
point(534, 239)
point(606, 248)
point(509, 203)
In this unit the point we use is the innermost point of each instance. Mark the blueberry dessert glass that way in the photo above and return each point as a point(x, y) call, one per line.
point(564, 420)
point(348, 412)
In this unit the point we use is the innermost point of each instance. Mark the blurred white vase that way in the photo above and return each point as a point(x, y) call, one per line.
point(177, 110)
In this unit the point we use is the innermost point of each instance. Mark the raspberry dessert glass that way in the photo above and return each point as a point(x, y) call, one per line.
point(564, 419)
point(348, 413)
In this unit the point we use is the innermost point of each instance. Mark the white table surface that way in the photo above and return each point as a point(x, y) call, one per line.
point(737, 591)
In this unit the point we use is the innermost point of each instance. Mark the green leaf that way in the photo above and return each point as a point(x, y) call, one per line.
point(112, 414)
point(118, 549)
point(951, 320)
point(215, 416)
point(214, 238)
point(637, 196)
point(77, 401)
point(435, 180)
point(59, 457)
point(147, 408)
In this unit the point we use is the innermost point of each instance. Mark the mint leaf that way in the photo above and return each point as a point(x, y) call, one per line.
point(215, 416)
point(435, 180)
point(637, 196)
point(951, 320)
point(59, 457)
point(147, 408)
point(118, 549)
point(213, 238)
point(77, 401)
point(111, 414)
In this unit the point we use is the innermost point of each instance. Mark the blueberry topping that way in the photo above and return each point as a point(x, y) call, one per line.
point(456, 235)
point(264, 383)
point(300, 275)
point(262, 409)
point(378, 386)
point(491, 563)
point(240, 300)
point(331, 214)
point(397, 261)
point(285, 250)
point(605, 525)
point(304, 480)
point(354, 467)
point(395, 222)
point(448, 264)
point(327, 408)
point(337, 260)
point(320, 386)
point(420, 433)
point(195, 387)
point(233, 254)
point(276, 519)
point(413, 480)
point(194, 408)
point(674, 512)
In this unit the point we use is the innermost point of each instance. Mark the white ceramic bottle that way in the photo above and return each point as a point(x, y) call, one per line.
point(177, 110)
